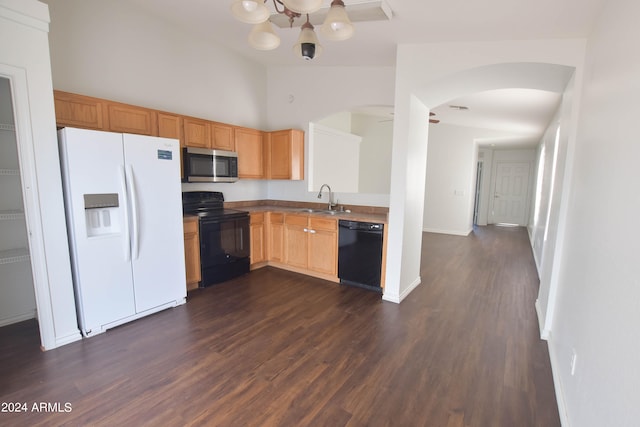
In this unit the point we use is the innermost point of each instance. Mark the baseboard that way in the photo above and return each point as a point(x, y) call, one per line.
point(557, 383)
point(397, 298)
point(452, 232)
point(31, 314)
point(67, 339)
point(544, 333)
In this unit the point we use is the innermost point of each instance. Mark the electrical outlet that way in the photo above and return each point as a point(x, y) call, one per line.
point(574, 356)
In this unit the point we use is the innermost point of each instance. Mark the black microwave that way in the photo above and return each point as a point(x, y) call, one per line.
point(204, 165)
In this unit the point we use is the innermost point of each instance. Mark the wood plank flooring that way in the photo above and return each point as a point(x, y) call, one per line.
point(275, 348)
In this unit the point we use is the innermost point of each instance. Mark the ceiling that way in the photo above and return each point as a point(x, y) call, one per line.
point(413, 21)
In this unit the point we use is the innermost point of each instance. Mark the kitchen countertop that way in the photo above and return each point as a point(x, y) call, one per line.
point(358, 213)
point(353, 216)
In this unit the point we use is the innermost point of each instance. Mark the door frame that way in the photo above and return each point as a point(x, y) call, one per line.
point(31, 198)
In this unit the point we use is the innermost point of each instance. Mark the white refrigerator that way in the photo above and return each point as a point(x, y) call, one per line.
point(124, 220)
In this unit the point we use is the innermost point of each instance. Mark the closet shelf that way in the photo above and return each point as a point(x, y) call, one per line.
point(9, 172)
point(14, 255)
point(11, 214)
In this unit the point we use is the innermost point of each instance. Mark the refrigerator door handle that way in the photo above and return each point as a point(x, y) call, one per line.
point(125, 203)
point(134, 214)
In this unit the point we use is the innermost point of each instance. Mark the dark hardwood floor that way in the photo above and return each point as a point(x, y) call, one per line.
point(275, 348)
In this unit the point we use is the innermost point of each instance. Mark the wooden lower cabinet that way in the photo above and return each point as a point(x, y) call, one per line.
point(192, 252)
point(323, 246)
point(296, 244)
point(275, 236)
point(257, 235)
point(311, 243)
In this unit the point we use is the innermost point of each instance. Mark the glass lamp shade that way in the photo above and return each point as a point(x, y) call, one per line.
point(337, 25)
point(262, 37)
point(307, 47)
point(250, 11)
point(303, 6)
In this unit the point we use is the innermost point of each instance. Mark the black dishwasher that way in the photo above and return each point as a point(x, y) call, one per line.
point(360, 254)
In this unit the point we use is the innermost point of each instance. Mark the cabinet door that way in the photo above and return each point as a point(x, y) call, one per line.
point(170, 126)
point(222, 137)
point(250, 153)
point(129, 119)
point(256, 230)
point(296, 245)
point(192, 253)
point(276, 237)
point(197, 133)
point(79, 111)
point(323, 245)
point(286, 154)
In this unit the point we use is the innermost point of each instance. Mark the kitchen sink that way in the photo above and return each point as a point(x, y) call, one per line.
point(318, 211)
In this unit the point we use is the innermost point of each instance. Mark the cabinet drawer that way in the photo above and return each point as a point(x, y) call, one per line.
point(294, 219)
point(323, 224)
point(256, 218)
point(276, 218)
point(190, 225)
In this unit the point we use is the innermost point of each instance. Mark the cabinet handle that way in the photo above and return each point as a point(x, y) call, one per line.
point(305, 230)
point(312, 231)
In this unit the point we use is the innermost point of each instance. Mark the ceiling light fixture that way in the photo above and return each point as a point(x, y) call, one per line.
point(336, 26)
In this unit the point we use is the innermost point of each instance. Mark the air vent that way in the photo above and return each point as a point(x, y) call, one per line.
point(459, 107)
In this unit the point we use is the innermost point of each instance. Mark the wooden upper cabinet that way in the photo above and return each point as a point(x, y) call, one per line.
point(130, 119)
point(250, 148)
point(197, 132)
point(170, 126)
point(80, 111)
point(222, 137)
point(285, 154)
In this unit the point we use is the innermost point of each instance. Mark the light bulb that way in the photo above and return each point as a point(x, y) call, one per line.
point(249, 5)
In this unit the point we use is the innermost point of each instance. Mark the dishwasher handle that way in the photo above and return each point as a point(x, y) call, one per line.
point(361, 226)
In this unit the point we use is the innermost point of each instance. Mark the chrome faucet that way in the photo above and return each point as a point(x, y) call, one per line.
point(331, 205)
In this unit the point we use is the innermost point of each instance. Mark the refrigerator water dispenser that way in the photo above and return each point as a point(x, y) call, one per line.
point(101, 212)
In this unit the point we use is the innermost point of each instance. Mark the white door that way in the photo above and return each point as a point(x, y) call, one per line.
point(92, 164)
point(153, 172)
point(511, 193)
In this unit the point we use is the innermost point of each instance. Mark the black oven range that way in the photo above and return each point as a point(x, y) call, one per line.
point(224, 236)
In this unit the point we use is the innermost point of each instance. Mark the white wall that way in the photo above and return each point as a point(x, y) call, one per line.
point(115, 51)
point(299, 95)
point(598, 307)
point(334, 158)
point(375, 152)
point(433, 74)
point(552, 199)
point(24, 59)
point(451, 176)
